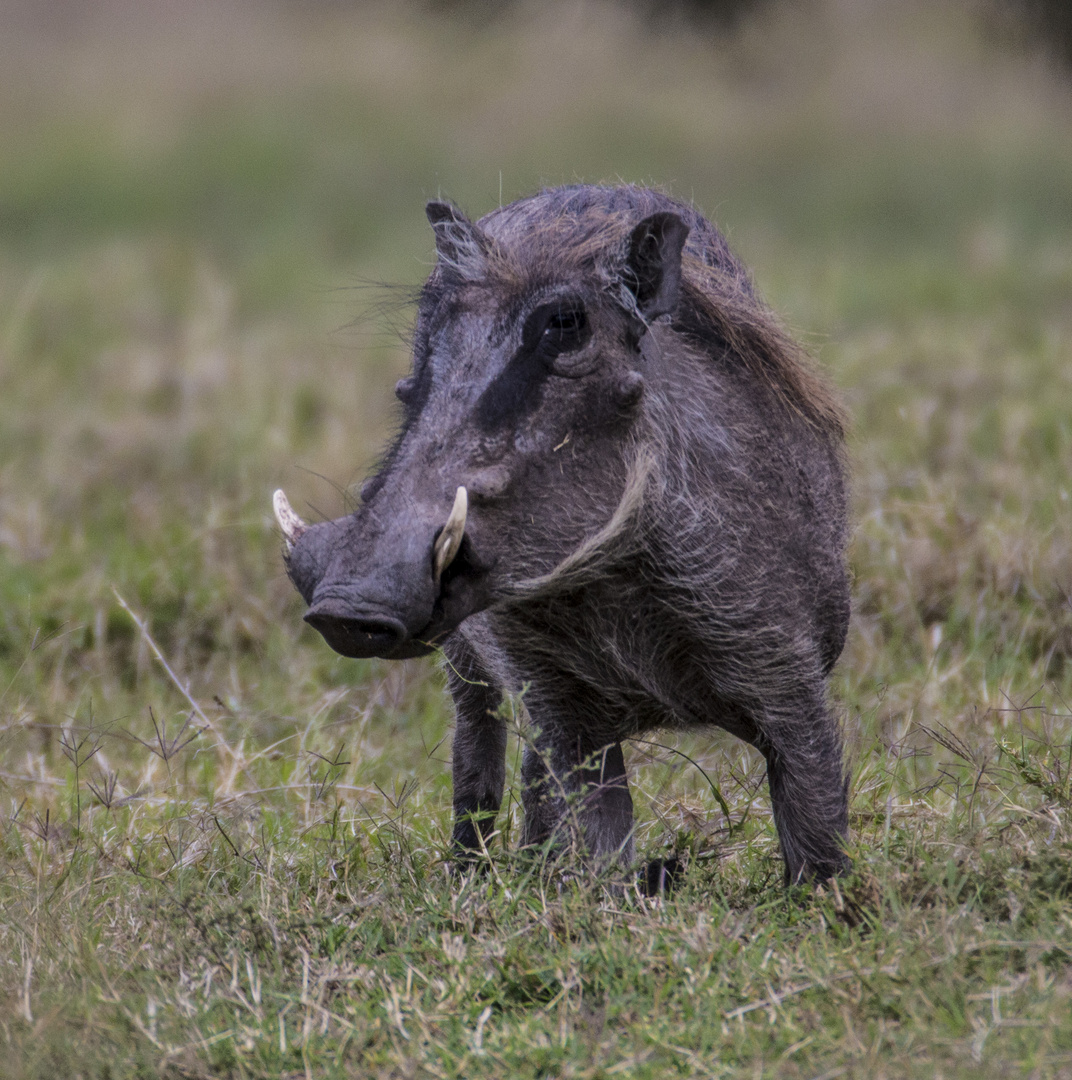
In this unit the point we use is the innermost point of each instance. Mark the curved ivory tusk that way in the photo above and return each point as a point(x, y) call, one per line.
point(289, 522)
point(450, 539)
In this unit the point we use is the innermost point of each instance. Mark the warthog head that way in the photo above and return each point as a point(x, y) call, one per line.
point(531, 358)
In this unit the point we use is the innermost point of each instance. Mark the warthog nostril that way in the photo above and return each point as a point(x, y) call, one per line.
point(355, 636)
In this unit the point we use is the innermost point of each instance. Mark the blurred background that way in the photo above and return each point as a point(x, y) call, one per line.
point(211, 223)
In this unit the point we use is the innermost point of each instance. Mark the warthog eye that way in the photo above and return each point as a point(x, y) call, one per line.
point(565, 329)
point(557, 328)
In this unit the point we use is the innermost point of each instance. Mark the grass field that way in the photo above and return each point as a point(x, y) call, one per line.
point(223, 847)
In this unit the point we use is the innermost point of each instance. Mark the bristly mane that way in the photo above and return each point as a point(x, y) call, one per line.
point(588, 228)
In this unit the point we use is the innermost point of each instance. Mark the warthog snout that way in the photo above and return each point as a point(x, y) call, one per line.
point(354, 633)
point(376, 590)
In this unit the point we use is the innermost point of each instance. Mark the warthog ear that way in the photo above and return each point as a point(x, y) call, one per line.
point(461, 246)
point(653, 268)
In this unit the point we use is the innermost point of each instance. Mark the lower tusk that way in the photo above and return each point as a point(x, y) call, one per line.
point(293, 527)
point(450, 539)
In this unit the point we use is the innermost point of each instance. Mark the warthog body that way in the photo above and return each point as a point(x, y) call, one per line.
point(653, 524)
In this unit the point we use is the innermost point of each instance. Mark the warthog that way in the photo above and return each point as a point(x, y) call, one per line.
point(618, 484)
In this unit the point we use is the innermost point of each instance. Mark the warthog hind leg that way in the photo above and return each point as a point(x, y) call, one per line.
point(808, 793)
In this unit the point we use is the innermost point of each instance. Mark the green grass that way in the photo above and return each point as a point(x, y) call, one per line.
point(237, 865)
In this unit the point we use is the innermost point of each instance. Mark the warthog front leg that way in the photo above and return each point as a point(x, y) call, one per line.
point(568, 793)
point(479, 758)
